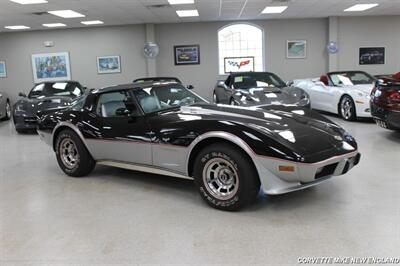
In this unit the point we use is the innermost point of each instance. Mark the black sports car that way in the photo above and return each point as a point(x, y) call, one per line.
point(229, 151)
point(385, 102)
point(260, 89)
point(46, 95)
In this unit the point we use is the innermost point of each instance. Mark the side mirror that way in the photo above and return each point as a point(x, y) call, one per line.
point(221, 84)
point(122, 112)
point(190, 87)
point(21, 94)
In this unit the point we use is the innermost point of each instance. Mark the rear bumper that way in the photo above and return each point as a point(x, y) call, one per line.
point(389, 119)
point(279, 176)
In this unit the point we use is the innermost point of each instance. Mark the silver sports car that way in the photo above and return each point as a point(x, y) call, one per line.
point(5, 106)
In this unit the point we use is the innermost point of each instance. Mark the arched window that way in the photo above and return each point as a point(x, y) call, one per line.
point(241, 40)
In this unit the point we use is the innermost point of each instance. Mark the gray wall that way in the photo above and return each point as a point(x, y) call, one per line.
point(356, 32)
point(127, 41)
point(83, 45)
point(276, 32)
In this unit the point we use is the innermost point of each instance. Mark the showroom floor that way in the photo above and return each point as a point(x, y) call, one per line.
point(122, 218)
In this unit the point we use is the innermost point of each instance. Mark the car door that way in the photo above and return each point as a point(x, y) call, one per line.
point(117, 130)
point(321, 96)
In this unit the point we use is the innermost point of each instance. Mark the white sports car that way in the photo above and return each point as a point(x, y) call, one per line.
point(346, 93)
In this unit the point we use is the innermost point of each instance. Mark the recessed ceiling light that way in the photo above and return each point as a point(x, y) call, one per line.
point(187, 13)
point(274, 9)
point(180, 2)
point(66, 14)
point(54, 25)
point(360, 7)
point(17, 27)
point(92, 22)
point(29, 2)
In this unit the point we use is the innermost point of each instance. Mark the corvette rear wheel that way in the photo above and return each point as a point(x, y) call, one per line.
point(72, 156)
point(226, 179)
point(347, 108)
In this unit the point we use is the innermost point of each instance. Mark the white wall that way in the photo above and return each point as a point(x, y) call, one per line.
point(356, 32)
point(276, 32)
point(127, 41)
point(83, 45)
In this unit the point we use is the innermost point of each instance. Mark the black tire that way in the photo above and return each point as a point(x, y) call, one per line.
point(347, 108)
point(231, 162)
point(7, 111)
point(76, 163)
point(215, 98)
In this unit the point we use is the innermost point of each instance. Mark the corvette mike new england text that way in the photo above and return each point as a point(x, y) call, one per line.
point(349, 260)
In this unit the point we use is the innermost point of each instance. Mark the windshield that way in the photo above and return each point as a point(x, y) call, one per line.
point(253, 80)
point(350, 78)
point(154, 99)
point(50, 89)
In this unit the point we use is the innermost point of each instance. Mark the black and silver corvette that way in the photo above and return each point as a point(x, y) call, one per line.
point(261, 89)
point(229, 151)
point(43, 96)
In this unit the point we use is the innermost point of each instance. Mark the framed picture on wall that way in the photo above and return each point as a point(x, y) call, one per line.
point(296, 49)
point(3, 71)
point(187, 54)
point(108, 64)
point(51, 67)
point(372, 56)
point(239, 64)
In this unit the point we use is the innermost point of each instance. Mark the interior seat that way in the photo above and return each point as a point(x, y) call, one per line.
point(324, 79)
point(150, 104)
point(109, 109)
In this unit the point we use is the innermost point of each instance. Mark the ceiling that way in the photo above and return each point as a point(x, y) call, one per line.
point(119, 12)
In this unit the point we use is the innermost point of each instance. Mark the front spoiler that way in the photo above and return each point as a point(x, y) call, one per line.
point(275, 182)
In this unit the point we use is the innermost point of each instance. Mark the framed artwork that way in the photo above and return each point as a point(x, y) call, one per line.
point(372, 56)
point(239, 64)
point(3, 71)
point(108, 64)
point(296, 49)
point(51, 67)
point(187, 54)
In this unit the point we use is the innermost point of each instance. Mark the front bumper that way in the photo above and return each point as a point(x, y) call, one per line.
point(281, 176)
point(25, 122)
point(363, 108)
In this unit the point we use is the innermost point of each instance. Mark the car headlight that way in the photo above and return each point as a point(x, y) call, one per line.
point(19, 108)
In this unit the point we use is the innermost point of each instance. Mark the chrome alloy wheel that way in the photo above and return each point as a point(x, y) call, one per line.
point(346, 108)
point(68, 153)
point(220, 179)
point(8, 110)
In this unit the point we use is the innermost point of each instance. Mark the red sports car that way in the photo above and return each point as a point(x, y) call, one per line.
point(385, 101)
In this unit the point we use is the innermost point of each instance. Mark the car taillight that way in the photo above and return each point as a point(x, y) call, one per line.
point(393, 97)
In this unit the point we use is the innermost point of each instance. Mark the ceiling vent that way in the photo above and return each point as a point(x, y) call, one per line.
point(40, 13)
point(158, 6)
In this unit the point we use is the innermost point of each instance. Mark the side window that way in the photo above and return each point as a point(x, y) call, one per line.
point(115, 104)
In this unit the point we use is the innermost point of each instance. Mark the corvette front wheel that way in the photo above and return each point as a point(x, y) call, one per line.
point(225, 177)
point(347, 109)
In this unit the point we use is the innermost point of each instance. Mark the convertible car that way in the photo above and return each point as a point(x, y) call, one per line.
point(385, 102)
point(46, 95)
point(258, 89)
point(346, 93)
point(5, 106)
point(229, 151)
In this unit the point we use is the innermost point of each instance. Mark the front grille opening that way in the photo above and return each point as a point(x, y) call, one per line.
point(326, 171)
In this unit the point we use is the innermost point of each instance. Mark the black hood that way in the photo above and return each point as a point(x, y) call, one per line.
point(269, 96)
point(295, 128)
point(32, 105)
